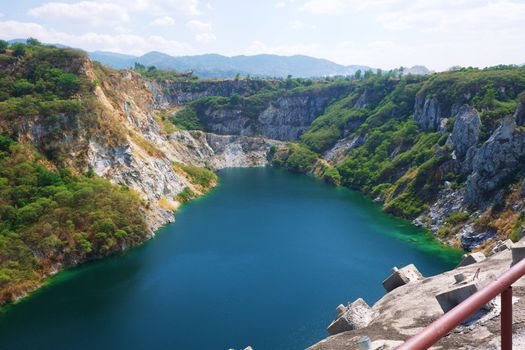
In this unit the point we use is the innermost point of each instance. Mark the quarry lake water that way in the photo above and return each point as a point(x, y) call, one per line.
point(263, 260)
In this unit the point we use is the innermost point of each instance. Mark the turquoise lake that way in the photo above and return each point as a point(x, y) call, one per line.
point(263, 260)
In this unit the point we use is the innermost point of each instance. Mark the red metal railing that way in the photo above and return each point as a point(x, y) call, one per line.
point(446, 323)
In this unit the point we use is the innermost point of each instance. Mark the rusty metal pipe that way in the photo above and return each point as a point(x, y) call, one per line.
point(506, 319)
point(443, 325)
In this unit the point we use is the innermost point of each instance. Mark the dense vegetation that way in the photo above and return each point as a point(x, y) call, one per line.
point(40, 80)
point(51, 218)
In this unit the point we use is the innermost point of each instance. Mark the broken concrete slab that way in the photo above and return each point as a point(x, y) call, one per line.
point(452, 297)
point(357, 315)
point(472, 258)
point(500, 246)
point(401, 277)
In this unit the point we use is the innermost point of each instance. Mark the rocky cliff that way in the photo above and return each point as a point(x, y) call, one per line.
point(121, 139)
point(493, 170)
point(167, 94)
point(248, 109)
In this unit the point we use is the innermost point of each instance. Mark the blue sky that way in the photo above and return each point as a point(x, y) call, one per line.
point(378, 33)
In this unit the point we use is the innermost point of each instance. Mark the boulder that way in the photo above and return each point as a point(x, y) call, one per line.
point(472, 258)
point(401, 277)
point(357, 315)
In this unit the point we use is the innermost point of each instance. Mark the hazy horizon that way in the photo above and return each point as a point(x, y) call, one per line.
point(377, 33)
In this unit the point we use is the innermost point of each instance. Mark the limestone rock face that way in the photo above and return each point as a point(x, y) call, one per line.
point(427, 113)
point(466, 130)
point(290, 116)
point(285, 118)
point(497, 159)
point(221, 151)
point(357, 315)
point(342, 148)
point(169, 94)
point(470, 238)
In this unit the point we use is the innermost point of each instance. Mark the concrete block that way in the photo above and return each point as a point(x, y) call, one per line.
point(518, 251)
point(401, 277)
point(452, 297)
point(357, 315)
point(472, 258)
point(500, 246)
point(460, 277)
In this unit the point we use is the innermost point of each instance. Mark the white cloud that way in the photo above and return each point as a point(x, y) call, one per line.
point(203, 31)
point(448, 16)
point(94, 13)
point(205, 37)
point(435, 55)
point(187, 7)
point(296, 24)
point(280, 4)
point(199, 26)
point(122, 29)
point(165, 21)
point(123, 43)
point(337, 7)
point(209, 6)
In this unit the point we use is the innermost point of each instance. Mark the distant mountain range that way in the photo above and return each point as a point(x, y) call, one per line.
point(218, 66)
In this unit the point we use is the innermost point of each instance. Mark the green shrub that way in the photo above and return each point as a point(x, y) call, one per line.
point(203, 177)
point(457, 217)
point(187, 119)
point(185, 196)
